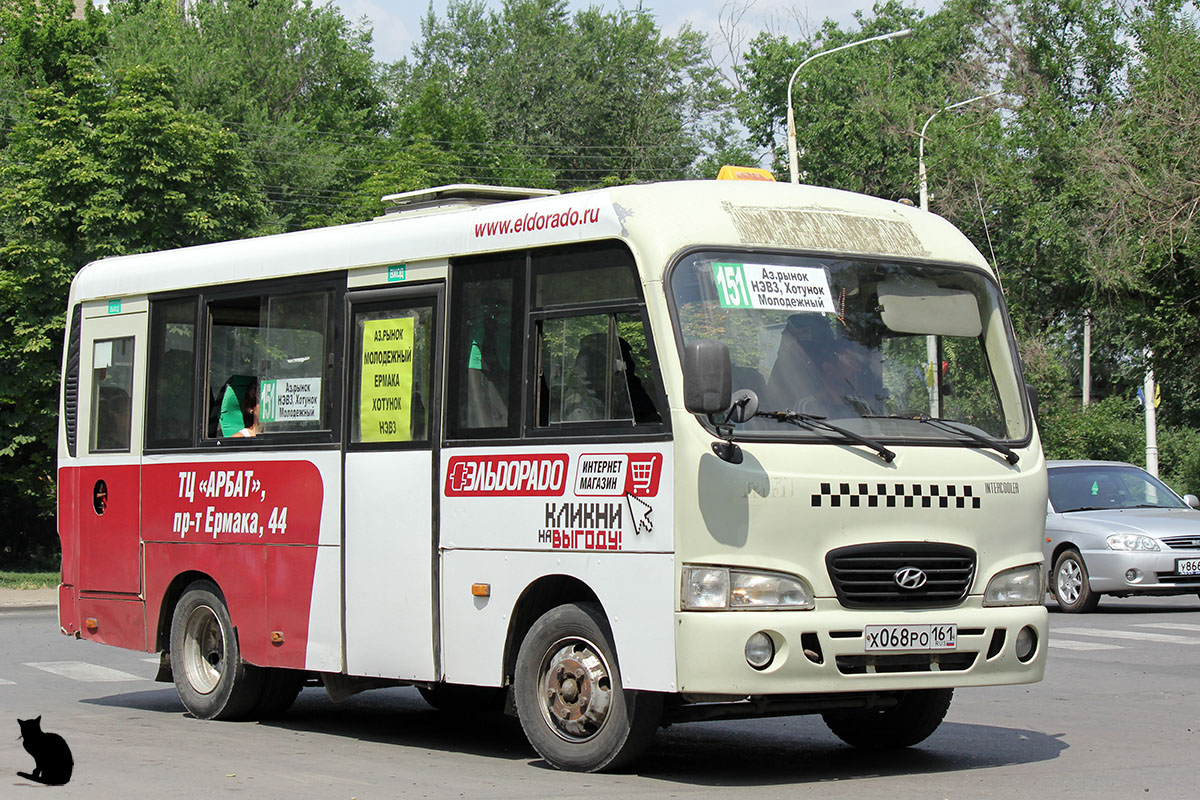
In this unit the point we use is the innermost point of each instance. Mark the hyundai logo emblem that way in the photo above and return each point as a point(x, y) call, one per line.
point(910, 578)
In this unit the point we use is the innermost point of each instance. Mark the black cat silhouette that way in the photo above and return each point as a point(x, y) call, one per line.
point(51, 756)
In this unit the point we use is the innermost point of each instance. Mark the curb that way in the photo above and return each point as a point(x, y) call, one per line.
point(28, 599)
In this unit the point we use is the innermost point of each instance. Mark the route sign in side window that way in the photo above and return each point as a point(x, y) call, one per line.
point(392, 375)
point(112, 394)
point(269, 363)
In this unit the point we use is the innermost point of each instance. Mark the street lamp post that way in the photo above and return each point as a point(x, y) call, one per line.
point(921, 145)
point(931, 342)
point(793, 156)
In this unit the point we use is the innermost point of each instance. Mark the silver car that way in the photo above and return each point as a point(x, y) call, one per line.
point(1114, 529)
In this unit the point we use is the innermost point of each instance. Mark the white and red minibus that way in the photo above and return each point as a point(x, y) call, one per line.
point(607, 460)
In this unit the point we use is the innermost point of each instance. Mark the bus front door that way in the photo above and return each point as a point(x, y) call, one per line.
point(389, 580)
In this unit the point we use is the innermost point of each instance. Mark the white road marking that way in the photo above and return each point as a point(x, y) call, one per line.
point(1172, 626)
point(1071, 644)
point(6, 683)
point(83, 671)
point(1137, 635)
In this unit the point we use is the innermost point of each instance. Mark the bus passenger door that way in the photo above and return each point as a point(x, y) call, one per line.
point(389, 538)
point(111, 380)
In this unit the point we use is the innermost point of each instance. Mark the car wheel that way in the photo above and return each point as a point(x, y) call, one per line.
point(573, 707)
point(209, 674)
point(917, 714)
point(1070, 584)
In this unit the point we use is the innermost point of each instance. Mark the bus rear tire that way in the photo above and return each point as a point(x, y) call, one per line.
point(912, 720)
point(279, 690)
point(572, 705)
point(210, 677)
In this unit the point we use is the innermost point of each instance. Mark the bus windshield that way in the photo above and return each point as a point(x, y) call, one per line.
point(889, 350)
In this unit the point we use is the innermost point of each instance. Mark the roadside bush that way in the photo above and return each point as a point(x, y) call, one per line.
point(1110, 429)
point(1179, 459)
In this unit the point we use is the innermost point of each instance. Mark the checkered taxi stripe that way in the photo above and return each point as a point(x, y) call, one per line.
point(896, 495)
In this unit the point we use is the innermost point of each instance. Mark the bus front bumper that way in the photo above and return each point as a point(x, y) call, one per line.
point(825, 650)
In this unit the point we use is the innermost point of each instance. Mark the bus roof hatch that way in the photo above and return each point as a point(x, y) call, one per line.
point(456, 197)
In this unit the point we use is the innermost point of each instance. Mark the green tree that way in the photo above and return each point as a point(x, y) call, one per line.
point(598, 97)
point(293, 79)
point(100, 166)
point(858, 112)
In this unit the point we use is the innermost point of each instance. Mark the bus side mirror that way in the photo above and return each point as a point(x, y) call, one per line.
point(707, 381)
point(1033, 400)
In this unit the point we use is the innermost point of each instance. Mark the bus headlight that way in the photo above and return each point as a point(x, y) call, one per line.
point(739, 589)
point(1021, 586)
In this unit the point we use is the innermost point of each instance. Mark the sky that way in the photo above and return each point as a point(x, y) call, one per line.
point(397, 23)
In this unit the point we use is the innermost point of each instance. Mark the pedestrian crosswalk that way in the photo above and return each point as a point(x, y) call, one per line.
point(1083, 638)
point(81, 671)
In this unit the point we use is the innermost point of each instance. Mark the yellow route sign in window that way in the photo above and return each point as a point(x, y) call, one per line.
point(385, 405)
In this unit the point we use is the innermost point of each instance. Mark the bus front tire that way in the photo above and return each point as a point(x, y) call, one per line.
point(210, 677)
point(572, 705)
point(917, 715)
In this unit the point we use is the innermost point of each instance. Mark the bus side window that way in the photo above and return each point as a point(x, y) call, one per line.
point(591, 370)
point(270, 358)
point(488, 326)
point(112, 393)
point(172, 373)
point(592, 360)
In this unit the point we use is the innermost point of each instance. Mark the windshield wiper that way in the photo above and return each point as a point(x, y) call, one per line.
point(815, 422)
point(1009, 454)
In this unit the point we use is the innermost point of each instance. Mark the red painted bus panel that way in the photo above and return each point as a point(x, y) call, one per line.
point(119, 622)
point(68, 611)
point(109, 543)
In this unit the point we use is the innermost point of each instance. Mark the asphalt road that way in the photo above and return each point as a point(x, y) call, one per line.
point(1118, 716)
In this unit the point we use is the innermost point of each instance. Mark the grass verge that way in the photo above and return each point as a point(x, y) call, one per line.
point(28, 580)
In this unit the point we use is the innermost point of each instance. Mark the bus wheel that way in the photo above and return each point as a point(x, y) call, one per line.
point(1070, 584)
point(210, 677)
point(456, 699)
point(912, 720)
point(569, 696)
point(279, 690)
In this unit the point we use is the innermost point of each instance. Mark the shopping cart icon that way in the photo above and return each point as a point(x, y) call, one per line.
point(641, 473)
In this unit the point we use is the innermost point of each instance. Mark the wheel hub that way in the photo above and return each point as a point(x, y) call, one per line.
point(577, 689)
point(203, 650)
point(1070, 581)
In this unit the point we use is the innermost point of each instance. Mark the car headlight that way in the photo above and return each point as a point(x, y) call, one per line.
point(738, 589)
point(1131, 541)
point(1021, 586)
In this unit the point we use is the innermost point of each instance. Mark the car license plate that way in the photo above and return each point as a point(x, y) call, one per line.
point(1187, 566)
point(910, 638)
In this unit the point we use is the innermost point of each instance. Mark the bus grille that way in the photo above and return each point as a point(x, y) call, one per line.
point(927, 662)
point(864, 576)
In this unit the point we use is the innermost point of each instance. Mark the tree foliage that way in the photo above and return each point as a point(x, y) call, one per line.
point(294, 80)
point(593, 98)
point(99, 166)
